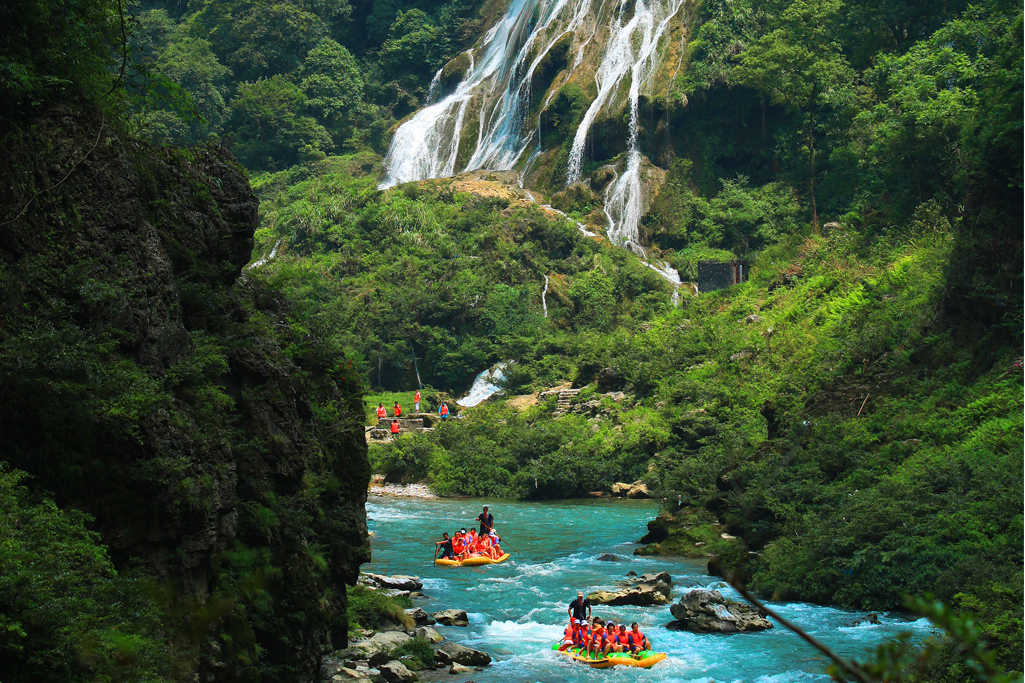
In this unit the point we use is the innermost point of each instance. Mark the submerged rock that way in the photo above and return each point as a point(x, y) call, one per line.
point(643, 591)
point(454, 652)
point(451, 617)
point(609, 557)
point(706, 611)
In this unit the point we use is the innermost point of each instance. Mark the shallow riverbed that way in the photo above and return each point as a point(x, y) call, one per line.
point(518, 608)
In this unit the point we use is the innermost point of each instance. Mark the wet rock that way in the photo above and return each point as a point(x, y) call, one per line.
point(398, 582)
point(609, 557)
point(620, 489)
point(421, 617)
point(643, 591)
point(382, 642)
point(602, 177)
point(870, 618)
point(458, 668)
point(429, 634)
point(379, 658)
point(576, 197)
point(396, 672)
point(658, 531)
point(454, 652)
point(451, 617)
point(707, 611)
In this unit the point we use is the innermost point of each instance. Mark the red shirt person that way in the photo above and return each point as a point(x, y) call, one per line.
point(395, 427)
point(398, 409)
point(381, 411)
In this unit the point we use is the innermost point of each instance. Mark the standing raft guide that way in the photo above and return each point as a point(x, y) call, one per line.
point(471, 549)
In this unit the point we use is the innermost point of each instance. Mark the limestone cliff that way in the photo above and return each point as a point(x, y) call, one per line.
point(211, 433)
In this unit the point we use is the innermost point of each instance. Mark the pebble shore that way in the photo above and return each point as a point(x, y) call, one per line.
point(402, 490)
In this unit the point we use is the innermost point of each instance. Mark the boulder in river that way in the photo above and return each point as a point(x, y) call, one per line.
point(706, 611)
point(399, 582)
point(609, 557)
point(643, 591)
point(421, 617)
point(451, 617)
point(458, 668)
point(429, 634)
point(396, 672)
point(870, 618)
point(448, 653)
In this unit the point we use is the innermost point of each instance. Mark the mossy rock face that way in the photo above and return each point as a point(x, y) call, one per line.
point(576, 197)
point(176, 419)
point(559, 121)
point(452, 74)
point(554, 61)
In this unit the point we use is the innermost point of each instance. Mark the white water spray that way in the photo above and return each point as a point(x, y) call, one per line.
point(544, 292)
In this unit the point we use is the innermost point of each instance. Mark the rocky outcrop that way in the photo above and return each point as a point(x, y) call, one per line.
point(451, 617)
point(396, 672)
point(176, 419)
point(454, 652)
point(706, 611)
point(419, 616)
point(399, 582)
point(643, 591)
point(382, 642)
point(428, 634)
point(634, 490)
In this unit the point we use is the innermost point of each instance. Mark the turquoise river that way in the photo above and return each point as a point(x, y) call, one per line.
point(517, 609)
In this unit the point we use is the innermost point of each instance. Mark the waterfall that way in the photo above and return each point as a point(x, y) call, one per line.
point(544, 292)
point(624, 198)
point(669, 274)
point(483, 120)
point(485, 385)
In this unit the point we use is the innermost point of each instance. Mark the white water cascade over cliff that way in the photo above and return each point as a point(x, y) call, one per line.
point(616, 50)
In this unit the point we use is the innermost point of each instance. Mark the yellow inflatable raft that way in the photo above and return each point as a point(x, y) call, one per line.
point(645, 659)
point(471, 561)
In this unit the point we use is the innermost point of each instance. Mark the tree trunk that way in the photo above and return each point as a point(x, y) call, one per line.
point(811, 169)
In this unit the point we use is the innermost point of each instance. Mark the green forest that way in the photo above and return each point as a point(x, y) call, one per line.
point(851, 414)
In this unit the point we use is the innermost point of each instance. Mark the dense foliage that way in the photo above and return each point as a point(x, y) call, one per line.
point(853, 414)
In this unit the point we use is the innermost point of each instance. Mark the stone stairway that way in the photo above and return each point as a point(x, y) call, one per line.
point(564, 397)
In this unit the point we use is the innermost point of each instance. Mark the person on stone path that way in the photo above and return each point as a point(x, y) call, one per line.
point(443, 411)
point(581, 607)
point(416, 401)
point(445, 546)
point(381, 412)
point(487, 521)
point(395, 427)
point(398, 409)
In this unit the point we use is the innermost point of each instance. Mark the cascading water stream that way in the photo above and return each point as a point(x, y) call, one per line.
point(496, 90)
